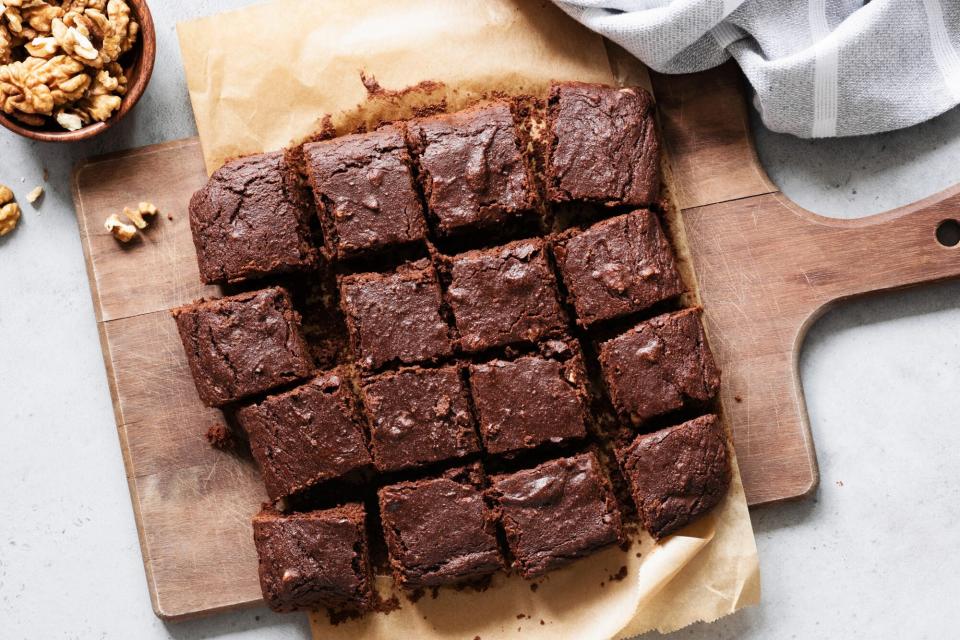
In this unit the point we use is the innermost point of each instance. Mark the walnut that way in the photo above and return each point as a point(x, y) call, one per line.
point(44, 47)
point(40, 15)
point(9, 217)
point(35, 194)
point(121, 230)
point(7, 43)
point(75, 40)
point(70, 121)
point(6, 194)
point(136, 215)
point(36, 86)
point(29, 119)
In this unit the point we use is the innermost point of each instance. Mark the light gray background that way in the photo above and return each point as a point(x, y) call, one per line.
point(870, 555)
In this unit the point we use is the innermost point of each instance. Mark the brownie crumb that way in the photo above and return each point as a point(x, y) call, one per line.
point(415, 595)
point(619, 575)
point(431, 109)
point(374, 90)
point(220, 437)
point(542, 622)
point(388, 605)
point(521, 616)
point(534, 587)
point(738, 398)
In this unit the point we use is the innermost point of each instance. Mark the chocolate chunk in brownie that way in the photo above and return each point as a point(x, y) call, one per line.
point(307, 436)
point(603, 145)
point(504, 295)
point(242, 345)
point(660, 365)
point(251, 220)
point(557, 512)
point(473, 172)
point(395, 317)
point(364, 189)
point(417, 417)
point(617, 267)
point(314, 559)
point(530, 401)
point(677, 473)
point(439, 531)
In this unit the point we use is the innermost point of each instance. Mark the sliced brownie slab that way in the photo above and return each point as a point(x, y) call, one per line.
point(314, 559)
point(251, 220)
point(677, 473)
point(556, 513)
point(243, 345)
point(307, 436)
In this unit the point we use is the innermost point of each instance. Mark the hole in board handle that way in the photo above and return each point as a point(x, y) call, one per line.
point(948, 233)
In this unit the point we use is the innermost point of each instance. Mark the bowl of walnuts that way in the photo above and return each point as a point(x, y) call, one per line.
point(70, 69)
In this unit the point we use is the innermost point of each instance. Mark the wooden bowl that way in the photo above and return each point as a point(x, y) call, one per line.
point(137, 66)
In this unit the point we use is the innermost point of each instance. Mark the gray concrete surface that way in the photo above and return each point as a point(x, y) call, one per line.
point(870, 555)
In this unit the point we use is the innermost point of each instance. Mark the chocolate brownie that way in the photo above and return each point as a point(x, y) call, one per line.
point(617, 266)
point(473, 172)
point(364, 189)
point(242, 345)
point(314, 559)
point(530, 401)
point(504, 295)
point(602, 145)
point(439, 531)
point(556, 513)
point(395, 317)
point(307, 436)
point(251, 220)
point(660, 365)
point(418, 416)
point(677, 473)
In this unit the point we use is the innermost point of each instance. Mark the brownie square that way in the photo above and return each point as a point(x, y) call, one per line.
point(602, 145)
point(439, 531)
point(251, 220)
point(677, 473)
point(472, 169)
point(504, 295)
point(530, 401)
point(616, 267)
point(556, 513)
point(660, 365)
point(364, 189)
point(307, 436)
point(242, 345)
point(314, 559)
point(417, 417)
point(395, 317)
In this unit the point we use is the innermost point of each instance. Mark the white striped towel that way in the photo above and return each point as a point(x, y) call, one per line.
point(819, 68)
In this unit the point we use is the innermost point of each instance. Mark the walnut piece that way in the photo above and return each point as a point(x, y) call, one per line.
point(36, 85)
point(121, 230)
point(6, 195)
point(9, 217)
point(35, 194)
point(136, 216)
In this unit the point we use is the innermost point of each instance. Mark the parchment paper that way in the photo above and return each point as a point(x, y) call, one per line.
point(263, 77)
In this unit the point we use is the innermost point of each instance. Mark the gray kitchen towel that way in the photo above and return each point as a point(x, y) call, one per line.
point(819, 68)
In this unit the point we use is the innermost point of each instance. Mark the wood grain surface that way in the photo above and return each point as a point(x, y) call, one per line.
point(765, 269)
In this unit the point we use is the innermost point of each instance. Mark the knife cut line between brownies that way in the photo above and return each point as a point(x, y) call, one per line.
point(492, 370)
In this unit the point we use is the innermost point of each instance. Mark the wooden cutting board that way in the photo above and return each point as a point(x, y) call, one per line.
point(765, 268)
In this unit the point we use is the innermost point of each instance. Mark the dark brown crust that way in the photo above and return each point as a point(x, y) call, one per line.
point(307, 436)
point(315, 559)
point(251, 220)
point(439, 531)
point(677, 473)
point(472, 169)
point(659, 366)
point(617, 267)
point(603, 145)
point(395, 317)
point(234, 353)
point(364, 189)
point(505, 295)
point(556, 513)
point(417, 417)
point(530, 401)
